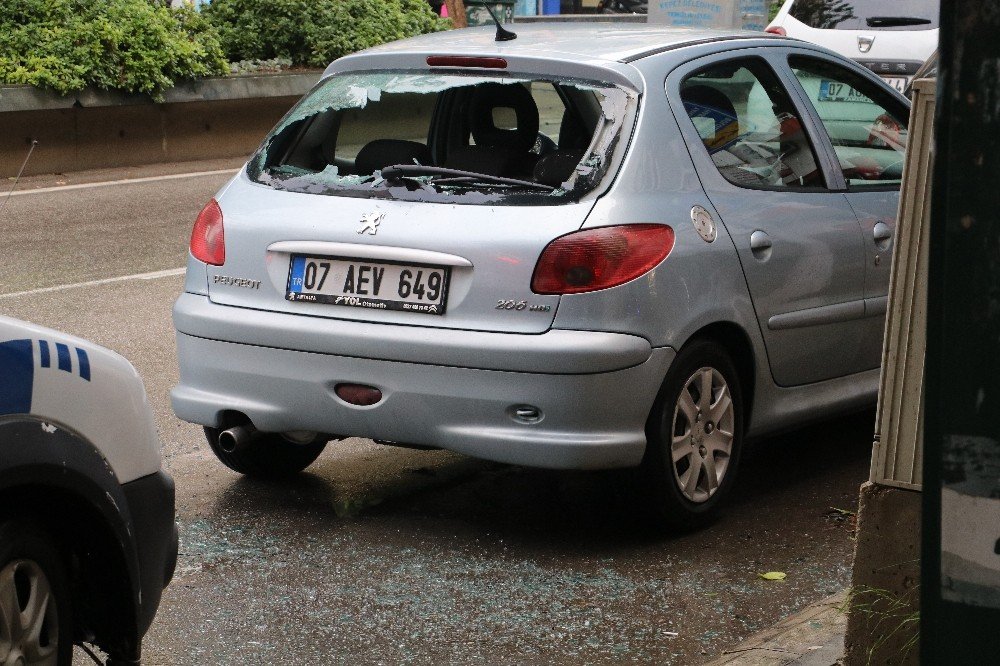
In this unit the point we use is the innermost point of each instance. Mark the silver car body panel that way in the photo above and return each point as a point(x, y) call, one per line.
point(873, 208)
point(559, 50)
point(469, 410)
point(555, 351)
point(491, 251)
point(594, 363)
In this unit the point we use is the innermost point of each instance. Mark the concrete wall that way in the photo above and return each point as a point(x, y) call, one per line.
point(883, 623)
point(208, 119)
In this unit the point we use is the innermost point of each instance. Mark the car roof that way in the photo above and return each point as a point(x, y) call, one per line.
point(615, 42)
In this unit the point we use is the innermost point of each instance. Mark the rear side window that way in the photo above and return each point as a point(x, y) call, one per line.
point(749, 126)
point(439, 136)
point(867, 14)
point(867, 126)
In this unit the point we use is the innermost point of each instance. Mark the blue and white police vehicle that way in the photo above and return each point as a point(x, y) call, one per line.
point(87, 533)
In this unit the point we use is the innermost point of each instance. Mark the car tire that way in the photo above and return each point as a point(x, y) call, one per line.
point(34, 598)
point(694, 438)
point(266, 455)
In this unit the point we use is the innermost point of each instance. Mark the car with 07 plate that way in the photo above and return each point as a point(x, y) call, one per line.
point(591, 246)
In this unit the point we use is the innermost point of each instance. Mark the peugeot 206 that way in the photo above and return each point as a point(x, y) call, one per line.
point(592, 246)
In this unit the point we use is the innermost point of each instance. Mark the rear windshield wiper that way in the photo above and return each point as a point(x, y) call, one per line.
point(455, 176)
point(895, 21)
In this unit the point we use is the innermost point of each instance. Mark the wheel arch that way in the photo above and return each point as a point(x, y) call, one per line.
point(58, 480)
point(735, 340)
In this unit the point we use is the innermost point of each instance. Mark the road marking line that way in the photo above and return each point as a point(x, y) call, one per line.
point(124, 181)
point(95, 283)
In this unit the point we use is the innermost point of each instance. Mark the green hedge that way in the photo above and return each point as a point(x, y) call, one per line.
point(132, 45)
point(314, 32)
point(143, 46)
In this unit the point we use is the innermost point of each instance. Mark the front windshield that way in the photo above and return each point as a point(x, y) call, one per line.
point(446, 137)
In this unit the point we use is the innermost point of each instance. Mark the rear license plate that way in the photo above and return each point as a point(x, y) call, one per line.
point(897, 82)
point(368, 284)
point(834, 91)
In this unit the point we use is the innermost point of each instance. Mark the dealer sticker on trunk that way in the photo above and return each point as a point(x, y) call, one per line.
point(376, 285)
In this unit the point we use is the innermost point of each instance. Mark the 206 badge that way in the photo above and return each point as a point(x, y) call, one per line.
point(370, 222)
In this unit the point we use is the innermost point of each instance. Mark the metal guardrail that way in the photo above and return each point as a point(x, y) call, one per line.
point(250, 86)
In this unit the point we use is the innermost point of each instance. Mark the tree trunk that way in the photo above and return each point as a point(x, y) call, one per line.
point(456, 12)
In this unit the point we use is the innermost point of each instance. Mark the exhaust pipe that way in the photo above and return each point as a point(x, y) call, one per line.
point(236, 438)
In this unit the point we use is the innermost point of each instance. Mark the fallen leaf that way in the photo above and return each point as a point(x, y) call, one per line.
point(773, 575)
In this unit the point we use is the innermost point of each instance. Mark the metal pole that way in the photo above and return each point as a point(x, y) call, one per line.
point(960, 588)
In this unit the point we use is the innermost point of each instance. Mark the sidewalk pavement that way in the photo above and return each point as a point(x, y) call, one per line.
point(812, 637)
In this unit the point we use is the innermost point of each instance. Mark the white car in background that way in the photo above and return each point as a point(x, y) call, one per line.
point(890, 37)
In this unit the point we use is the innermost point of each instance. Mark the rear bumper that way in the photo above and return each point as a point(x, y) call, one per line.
point(556, 351)
point(589, 420)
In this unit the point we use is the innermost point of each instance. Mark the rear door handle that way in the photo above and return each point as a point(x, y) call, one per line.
point(760, 241)
point(882, 233)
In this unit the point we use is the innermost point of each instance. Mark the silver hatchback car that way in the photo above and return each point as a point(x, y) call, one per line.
point(592, 246)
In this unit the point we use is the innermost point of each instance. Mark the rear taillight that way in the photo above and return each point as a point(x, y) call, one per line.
point(208, 240)
point(776, 30)
point(600, 258)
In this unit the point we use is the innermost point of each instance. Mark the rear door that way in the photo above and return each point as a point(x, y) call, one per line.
point(798, 239)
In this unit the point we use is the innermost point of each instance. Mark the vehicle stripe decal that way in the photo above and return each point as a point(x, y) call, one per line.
point(43, 353)
point(62, 352)
point(84, 363)
point(17, 367)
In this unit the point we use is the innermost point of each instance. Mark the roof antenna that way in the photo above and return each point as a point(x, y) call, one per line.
point(503, 35)
point(3, 204)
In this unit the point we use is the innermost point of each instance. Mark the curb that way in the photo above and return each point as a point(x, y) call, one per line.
point(812, 637)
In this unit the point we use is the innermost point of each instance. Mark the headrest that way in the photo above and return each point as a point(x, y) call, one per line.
point(489, 96)
point(381, 153)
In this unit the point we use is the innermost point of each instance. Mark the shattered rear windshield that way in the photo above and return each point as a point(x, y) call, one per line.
point(419, 136)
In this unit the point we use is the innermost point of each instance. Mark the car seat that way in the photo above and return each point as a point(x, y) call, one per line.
point(498, 151)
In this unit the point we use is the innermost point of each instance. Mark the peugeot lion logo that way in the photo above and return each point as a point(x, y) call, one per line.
point(370, 222)
point(865, 44)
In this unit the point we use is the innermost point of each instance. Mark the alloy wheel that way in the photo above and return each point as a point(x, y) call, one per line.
point(29, 624)
point(702, 434)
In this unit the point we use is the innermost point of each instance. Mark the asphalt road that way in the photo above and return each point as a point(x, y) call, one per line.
point(383, 555)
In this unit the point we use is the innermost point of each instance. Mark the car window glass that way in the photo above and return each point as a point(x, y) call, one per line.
point(749, 126)
point(443, 136)
point(867, 14)
point(401, 116)
point(866, 125)
point(550, 110)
